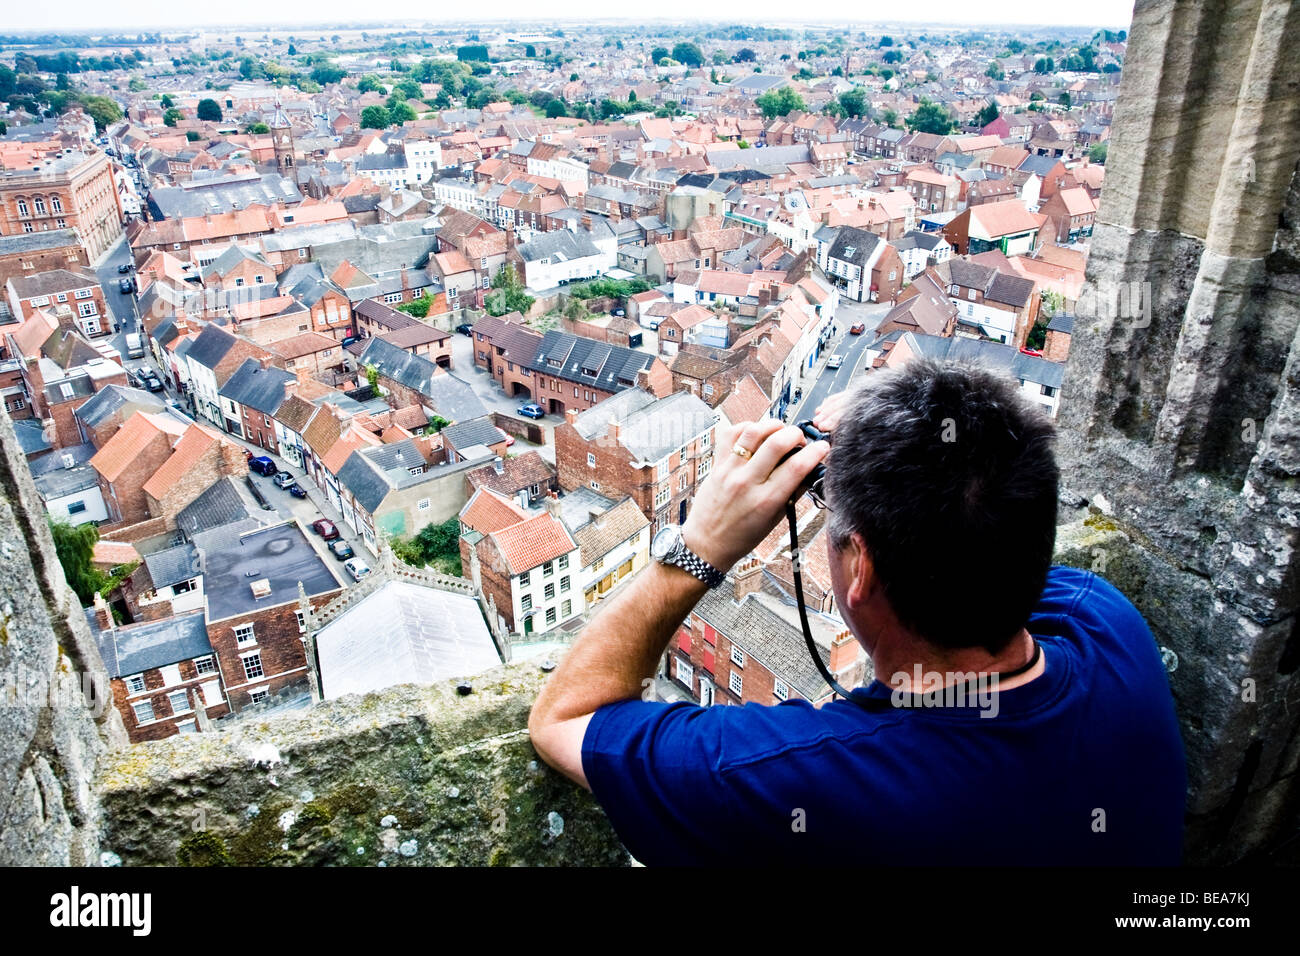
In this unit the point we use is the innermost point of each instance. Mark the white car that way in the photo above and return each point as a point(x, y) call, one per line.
point(357, 568)
point(835, 361)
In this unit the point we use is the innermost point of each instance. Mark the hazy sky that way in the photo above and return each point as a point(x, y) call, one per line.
point(95, 14)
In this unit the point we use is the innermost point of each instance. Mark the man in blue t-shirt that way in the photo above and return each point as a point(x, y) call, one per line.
point(1020, 713)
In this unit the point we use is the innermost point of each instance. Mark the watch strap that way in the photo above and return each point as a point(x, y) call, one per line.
point(692, 563)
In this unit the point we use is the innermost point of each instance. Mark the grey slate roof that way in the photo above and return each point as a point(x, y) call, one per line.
point(255, 387)
point(25, 242)
point(51, 474)
point(451, 397)
point(560, 245)
point(222, 503)
point(649, 428)
point(136, 648)
point(210, 346)
point(31, 437)
point(173, 565)
point(588, 362)
point(476, 431)
point(854, 245)
point(209, 195)
point(235, 555)
point(994, 355)
point(1062, 322)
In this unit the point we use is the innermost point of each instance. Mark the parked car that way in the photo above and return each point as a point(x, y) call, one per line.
point(835, 361)
point(857, 328)
point(134, 344)
point(357, 568)
point(532, 410)
point(262, 465)
point(348, 340)
point(1034, 352)
point(510, 440)
point(126, 285)
point(465, 328)
point(297, 490)
point(124, 269)
point(149, 378)
point(325, 528)
point(341, 549)
point(283, 479)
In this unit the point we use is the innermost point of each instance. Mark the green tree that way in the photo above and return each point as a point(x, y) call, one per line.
point(742, 144)
point(1044, 64)
point(688, 54)
point(257, 129)
point(400, 113)
point(192, 136)
point(417, 307)
point(576, 311)
point(374, 117)
point(166, 102)
point(658, 53)
point(327, 73)
point(892, 56)
point(1065, 99)
point(75, 547)
point(556, 107)
point(104, 111)
point(776, 103)
point(854, 102)
point(931, 117)
point(208, 111)
point(745, 55)
point(995, 71)
point(889, 118)
point(530, 50)
point(1097, 154)
point(171, 117)
point(370, 83)
point(507, 293)
point(573, 77)
point(472, 51)
point(251, 69)
point(987, 115)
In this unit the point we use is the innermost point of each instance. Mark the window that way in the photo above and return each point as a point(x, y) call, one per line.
point(708, 391)
point(566, 608)
point(239, 282)
point(681, 484)
point(423, 504)
point(970, 294)
point(244, 634)
point(259, 278)
point(662, 496)
point(550, 615)
point(187, 727)
point(135, 684)
point(703, 467)
point(564, 584)
point(143, 711)
point(257, 696)
point(672, 333)
point(662, 471)
point(523, 579)
point(737, 656)
point(591, 460)
point(393, 297)
point(735, 683)
point(685, 673)
point(594, 485)
point(526, 602)
point(27, 227)
point(779, 690)
point(180, 701)
point(550, 591)
point(61, 297)
point(548, 569)
point(205, 665)
point(22, 208)
point(86, 309)
point(252, 666)
point(1048, 391)
point(704, 441)
point(82, 294)
point(40, 206)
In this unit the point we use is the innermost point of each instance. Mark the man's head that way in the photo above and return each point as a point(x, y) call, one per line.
point(946, 478)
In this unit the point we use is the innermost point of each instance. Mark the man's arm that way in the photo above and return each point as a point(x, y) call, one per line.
point(734, 509)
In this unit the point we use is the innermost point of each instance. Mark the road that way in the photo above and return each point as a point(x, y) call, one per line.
point(122, 307)
point(851, 347)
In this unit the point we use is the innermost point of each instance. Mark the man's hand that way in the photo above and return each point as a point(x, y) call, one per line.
point(831, 410)
point(743, 498)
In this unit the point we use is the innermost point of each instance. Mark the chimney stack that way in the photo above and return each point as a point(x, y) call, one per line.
point(498, 465)
point(747, 577)
point(845, 652)
point(552, 505)
point(103, 614)
point(571, 416)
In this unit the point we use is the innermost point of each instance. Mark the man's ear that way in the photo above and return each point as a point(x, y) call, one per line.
point(861, 573)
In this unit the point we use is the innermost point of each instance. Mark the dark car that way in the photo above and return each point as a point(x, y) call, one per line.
point(465, 329)
point(297, 490)
point(283, 479)
point(124, 269)
point(149, 378)
point(341, 549)
point(262, 465)
point(532, 410)
point(325, 528)
point(126, 285)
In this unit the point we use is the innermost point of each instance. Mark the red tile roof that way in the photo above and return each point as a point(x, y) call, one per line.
point(532, 542)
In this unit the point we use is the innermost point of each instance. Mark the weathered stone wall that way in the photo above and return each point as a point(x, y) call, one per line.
point(409, 776)
point(56, 711)
point(1180, 420)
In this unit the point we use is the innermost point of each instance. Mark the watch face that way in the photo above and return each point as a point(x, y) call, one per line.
point(665, 542)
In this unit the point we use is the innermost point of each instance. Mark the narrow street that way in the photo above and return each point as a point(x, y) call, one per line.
point(850, 347)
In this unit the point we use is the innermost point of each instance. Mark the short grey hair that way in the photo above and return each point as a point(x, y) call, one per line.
point(948, 472)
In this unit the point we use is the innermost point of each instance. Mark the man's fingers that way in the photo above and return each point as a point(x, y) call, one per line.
point(791, 474)
point(773, 449)
point(755, 434)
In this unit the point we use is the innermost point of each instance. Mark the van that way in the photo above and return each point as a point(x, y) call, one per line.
point(134, 345)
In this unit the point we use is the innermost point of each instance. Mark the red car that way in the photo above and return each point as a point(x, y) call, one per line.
point(325, 528)
point(857, 328)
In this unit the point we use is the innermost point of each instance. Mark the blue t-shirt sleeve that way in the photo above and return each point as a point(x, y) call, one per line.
point(655, 769)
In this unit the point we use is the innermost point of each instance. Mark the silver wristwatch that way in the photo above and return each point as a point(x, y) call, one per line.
point(669, 548)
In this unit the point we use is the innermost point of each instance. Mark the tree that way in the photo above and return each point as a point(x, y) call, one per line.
point(995, 71)
point(1097, 154)
point(166, 102)
point(658, 53)
point(556, 107)
point(473, 51)
point(374, 117)
point(293, 50)
point(192, 135)
point(102, 110)
point(886, 41)
point(576, 311)
point(890, 118)
point(931, 117)
point(326, 73)
point(408, 89)
point(75, 547)
point(892, 56)
point(369, 84)
point(530, 50)
point(257, 129)
point(742, 144)
point(399, 114)
point(573, 77)
point(776, 103)
point(987, 115)
point(745, 55)
point(171, 117)
point(250, 69)
point(507, 293)
point(854, 103)
point(208, 111)
point(1044, 64)
point(688, 54)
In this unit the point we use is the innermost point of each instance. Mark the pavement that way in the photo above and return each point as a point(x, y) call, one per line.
point(121, 306)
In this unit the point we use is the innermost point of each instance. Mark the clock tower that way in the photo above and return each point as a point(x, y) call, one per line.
point(282, 142)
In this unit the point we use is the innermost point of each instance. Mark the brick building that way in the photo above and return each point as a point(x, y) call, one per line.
point(78, 289)
point(654, 451)
point(48, 188)
point(35, 252)
point(570, 372)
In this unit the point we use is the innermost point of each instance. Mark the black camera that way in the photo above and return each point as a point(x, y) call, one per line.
point(814, 483)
